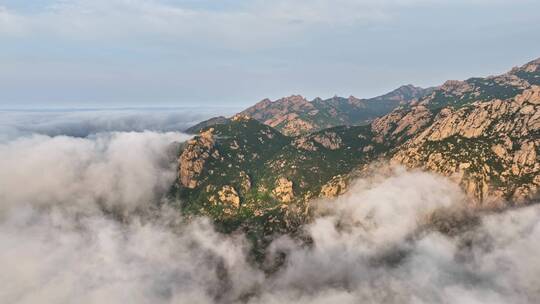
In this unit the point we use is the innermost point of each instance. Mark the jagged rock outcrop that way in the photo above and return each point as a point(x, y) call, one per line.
point(336, 186)
point(193, 158)
point(227, 199)
point(229, 196)
point(329, 140)
point(401, 124)
point(283, 190)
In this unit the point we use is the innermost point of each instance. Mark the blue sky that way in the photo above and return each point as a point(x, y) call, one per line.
point(116, 53)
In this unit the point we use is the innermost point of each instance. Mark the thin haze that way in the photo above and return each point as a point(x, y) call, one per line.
point(109, 53)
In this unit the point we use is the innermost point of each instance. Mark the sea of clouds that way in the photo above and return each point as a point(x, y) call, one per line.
point(83, 219)
point(82, 123)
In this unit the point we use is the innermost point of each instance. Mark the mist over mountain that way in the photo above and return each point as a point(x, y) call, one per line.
point(84, 122)
point(84, 220)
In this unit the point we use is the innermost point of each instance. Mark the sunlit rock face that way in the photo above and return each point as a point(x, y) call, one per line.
point(490, 147)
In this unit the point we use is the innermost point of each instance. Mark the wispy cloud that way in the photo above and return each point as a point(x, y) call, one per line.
point(247, 22)
point(11, 23)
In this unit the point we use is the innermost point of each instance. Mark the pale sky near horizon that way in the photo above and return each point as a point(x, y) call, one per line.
point(154, 53)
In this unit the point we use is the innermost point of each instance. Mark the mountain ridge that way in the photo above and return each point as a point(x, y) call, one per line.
point(296, 115)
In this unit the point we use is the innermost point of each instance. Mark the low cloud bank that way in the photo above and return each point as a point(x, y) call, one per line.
point(61, 241)
point(82, 123)
point(112, 170)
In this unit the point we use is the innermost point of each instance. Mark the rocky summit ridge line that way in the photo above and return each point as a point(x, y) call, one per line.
point(252, 172)
point(295, 115)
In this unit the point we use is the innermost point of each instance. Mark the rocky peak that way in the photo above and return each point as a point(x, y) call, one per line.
point(405, 94)
point(352, 98)
point(408, 90)
point(531, 67)
point(295, 99)
point(261, 105)
point(456, 87)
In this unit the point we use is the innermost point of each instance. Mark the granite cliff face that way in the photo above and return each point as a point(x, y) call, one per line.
point(488, 147)
point(193, 159)
point(260, 170)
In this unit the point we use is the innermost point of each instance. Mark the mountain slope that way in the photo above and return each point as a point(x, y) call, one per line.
point(484, 133)
point(247, 175)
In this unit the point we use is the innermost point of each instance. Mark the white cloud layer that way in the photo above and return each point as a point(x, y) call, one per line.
point(108, 170)
point(79, 223)
point(82, 123)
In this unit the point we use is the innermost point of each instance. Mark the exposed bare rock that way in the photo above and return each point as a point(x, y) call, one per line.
point(469, 125)
point(413, 121)
point(228, 196)
point(284, 190)
point(368, 148)
point(500, 151)
point(531, 96)
point(456, 87)
point(525, 159)
point(193, 158)
point(384, 125)
point(297, 126)
point(531, 67)
point(283, 113)
point(240, 117)
point(329, 140)
point(336, 186)
point(401, 123)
